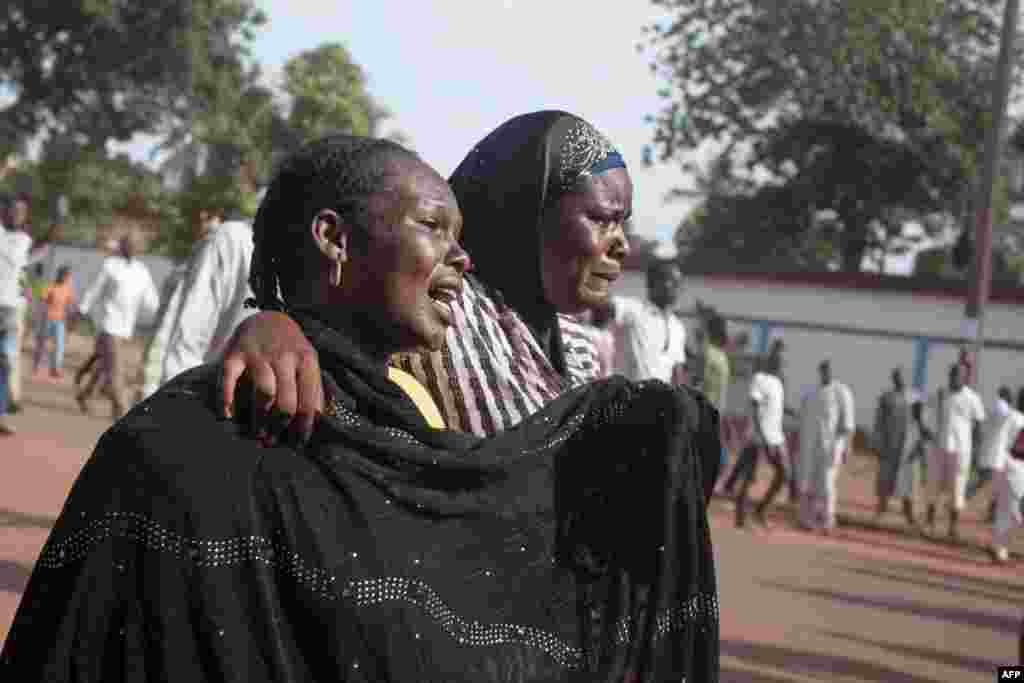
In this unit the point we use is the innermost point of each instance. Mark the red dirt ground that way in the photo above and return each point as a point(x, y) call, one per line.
point(872, 603)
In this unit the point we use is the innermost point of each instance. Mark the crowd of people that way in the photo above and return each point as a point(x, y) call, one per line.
point(190, 320)
point(942, 446)
point(504, 467)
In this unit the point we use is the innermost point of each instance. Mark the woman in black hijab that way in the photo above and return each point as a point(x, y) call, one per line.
point(546, 198)
point(573, 547)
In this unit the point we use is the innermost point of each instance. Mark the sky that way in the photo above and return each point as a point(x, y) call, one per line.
point(451, 71)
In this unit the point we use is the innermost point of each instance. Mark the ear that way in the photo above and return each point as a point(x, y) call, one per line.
point(332, 235)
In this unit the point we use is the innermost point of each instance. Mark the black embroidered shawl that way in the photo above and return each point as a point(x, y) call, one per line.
point(574, 547)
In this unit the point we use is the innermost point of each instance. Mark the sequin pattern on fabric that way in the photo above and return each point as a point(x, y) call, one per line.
point(202, 553)
point(369, 592)
point(582, 147)
point(701, 610)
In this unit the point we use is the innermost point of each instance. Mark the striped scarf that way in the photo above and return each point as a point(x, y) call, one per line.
point(490, 372)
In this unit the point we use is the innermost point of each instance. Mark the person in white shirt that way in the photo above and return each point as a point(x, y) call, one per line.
point(15, 244)
point(767, 400)
point(1008, 473)
point(152, 371)
point(112, 247)
point(19, 221)
point(650, 337)
point(210, 301)
point(121, 294)
point(988, 457)
point(830, 421)
point(949, 458)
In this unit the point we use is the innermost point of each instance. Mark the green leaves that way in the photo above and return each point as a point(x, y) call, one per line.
point(328, 91)
point(796, 80)
point(83, 73)
point(107, 70)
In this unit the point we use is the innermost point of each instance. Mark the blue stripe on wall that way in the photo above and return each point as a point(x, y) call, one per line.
point(920, 380)
point(762, 330)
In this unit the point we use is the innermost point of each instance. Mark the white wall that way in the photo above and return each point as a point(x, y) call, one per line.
point(863, 362)
point(85, 264)
point(895, 311)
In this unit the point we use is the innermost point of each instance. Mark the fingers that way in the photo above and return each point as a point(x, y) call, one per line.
point(284, 370)
point(264, 392)
point(234, 366)
point(283, 367)
point(281, 409)
point(310, 395)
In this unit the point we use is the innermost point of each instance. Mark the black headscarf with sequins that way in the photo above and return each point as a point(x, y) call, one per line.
point(572, 547)
point(503, 187)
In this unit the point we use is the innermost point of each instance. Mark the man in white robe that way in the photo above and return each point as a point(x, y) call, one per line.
point(829, 423)
point(206, 306)
point(949, 459)
point(991, 455)
point(1007, 473)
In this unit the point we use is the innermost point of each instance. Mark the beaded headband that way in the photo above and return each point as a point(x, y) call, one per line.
point(584, 152)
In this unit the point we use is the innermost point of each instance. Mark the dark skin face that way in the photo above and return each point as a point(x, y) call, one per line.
point(584, 242)
point(397, 282)
point(127, 248)
point(897, 380)
point(204, 220)
point(955, 378)
point(19, 213)
point(664, 285)
point(825, 371)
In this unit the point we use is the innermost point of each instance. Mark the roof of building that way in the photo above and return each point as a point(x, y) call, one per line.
point(920, 285)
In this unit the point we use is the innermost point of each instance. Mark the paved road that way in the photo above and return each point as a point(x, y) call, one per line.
point(871, 604)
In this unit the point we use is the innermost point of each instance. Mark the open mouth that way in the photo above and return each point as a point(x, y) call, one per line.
point(609, 277)
point(442, 296)
point(603, 281)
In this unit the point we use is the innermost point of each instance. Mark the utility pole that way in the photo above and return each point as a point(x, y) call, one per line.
point(981, 274)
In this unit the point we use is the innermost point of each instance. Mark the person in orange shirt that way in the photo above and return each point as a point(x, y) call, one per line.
point(57, 298)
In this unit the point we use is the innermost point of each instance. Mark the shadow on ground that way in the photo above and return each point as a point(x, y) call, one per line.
point(1009, 590)
point(890, 603)
point(816, 666)
point(928, 582)
point(55, 404)
point(975, 664)
point(14, 518)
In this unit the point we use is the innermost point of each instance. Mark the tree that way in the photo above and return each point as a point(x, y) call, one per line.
point(181, 224)
point(108, 69)
point(849, 102)
point(244, 127)
point(328, 93)
point(770, 228)
point(873, 184)
point(232, 143)
point(95, 186)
